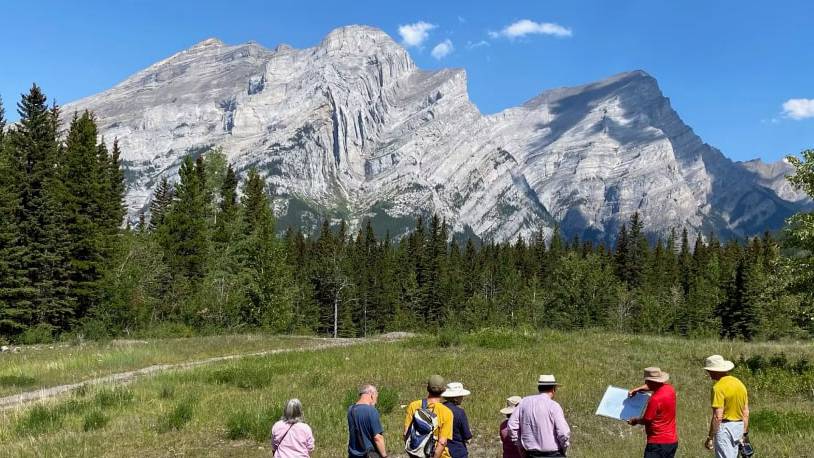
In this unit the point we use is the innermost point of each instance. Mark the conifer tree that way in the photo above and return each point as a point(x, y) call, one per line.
point(2, 122)
point(227, 208)
point(15, 311)
point(270, 287)
point(33, 153)
point(183, 234)
point(114, 210)
point(84, 199)
point(163, 198)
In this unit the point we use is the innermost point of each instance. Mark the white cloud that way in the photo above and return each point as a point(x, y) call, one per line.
point(525, 27)
point(415, 34)
point(798, 108)
point(476, 44)
point(443, 49)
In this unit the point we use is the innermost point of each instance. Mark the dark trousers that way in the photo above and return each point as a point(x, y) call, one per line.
point(535, 454)
point(660, 450)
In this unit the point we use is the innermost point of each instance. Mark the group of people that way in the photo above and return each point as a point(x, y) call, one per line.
point(535, 426)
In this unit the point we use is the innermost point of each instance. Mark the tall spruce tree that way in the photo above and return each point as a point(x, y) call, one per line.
point(184, 234)
point(227, 208)
point(163, 198)
point(33, 154)
point(84, 197)
point(15, 312)
point(270, 288)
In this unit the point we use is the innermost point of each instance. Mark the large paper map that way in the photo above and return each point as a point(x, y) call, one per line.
point(617, 404)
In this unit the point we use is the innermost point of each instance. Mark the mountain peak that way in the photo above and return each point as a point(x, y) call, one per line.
point(208, 43)
point(359, 39)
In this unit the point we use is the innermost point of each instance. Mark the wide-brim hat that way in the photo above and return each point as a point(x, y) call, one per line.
point(511, 404)
point(547, 380)
point(654, 374)
point(455, 390)
point(717, 363)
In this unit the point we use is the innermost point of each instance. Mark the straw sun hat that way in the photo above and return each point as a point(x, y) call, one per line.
point(511, 403)
point(455, 390)
point(654, 374)
point(717, 363)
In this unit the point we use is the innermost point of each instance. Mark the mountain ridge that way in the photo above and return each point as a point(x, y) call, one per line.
point(353, 128)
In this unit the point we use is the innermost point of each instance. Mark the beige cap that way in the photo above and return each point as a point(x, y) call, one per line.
point(436, 384)
point(511, 403)
point(717, 363)
point(654, 374)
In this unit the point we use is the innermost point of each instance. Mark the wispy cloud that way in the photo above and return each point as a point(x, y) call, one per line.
point(525, 27)
point(476, 44)
point(415, 34)
point(798, 108)
point(462, 19)
point(443, 49)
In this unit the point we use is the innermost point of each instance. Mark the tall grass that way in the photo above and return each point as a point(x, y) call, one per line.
point(177, 417)
point(209, 411)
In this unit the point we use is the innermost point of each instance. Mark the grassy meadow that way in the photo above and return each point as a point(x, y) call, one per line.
point(40, 366)
point(226, 409)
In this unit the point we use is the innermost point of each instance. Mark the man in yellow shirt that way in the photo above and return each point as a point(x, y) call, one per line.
point(434, 402)
point(730, 409)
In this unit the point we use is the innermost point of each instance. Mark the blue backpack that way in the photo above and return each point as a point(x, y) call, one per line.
point(420, 442)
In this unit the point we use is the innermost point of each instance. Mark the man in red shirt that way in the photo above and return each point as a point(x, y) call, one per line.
point(659, 417)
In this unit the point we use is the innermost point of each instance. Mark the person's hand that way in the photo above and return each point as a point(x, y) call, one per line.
point(633, 392)
point(708, 443)
point(633, 421)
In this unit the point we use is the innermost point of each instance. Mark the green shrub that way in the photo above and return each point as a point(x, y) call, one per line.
point(175, 419)
point(448, 337)
point(94, 420)
point(17, 380)
point(388, 399)
point(40, 419)
point(243, 377)
point(113, 398)
point(251, 424)
point(772, 421)
point(500, 339)
point(166, 392)
point(41, 333)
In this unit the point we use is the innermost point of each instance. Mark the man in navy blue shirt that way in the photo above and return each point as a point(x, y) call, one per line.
point(461, 434)
point(365, 439)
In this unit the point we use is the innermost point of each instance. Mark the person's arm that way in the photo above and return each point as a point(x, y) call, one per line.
point(514, 426)
point(445, 419)
point(378, 442)
point(745, 414)
point(273, 441)
point(467, 433)
point(633, 391)
point(309, 440)
point(648, 416)
point(561, 429)
point(408, 419)
point(440, 447)
point(714, 425)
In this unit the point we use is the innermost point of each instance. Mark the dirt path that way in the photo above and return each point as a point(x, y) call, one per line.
point(10, 402)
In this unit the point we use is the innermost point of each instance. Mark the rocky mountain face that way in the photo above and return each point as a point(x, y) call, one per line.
point(351, 128)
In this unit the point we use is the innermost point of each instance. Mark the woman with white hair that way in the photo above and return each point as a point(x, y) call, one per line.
point(290, 436)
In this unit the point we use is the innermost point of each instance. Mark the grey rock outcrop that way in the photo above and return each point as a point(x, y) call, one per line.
point(352, 128)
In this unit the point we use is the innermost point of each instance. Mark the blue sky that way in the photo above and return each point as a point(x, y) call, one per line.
point(729, 67)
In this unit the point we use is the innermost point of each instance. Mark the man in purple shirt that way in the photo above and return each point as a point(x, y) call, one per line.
point(537, 425)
